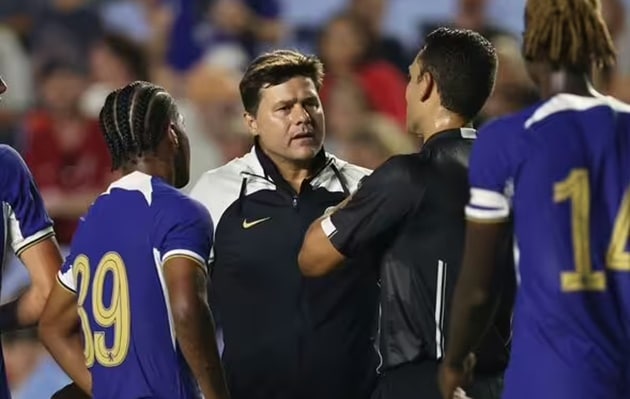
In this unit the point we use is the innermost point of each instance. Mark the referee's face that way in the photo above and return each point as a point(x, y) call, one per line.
point(415, 96)
point(290, 120)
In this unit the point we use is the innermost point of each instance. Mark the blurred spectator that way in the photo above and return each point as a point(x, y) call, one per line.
point(251, 22)
point(130, 18)
point(346, 48)
point(65, 29)
point(31, 372)
point(240, 29)
point(616, 81)
point(181, 18)
point(64, 149)
point(471, 14)
point(375, 140)
point(201, 27)
point(16, 68)
point(372, 13)
point(346, 109)
point(115, 61)
point(513, 88)
point(215, 93)
point(235, 141)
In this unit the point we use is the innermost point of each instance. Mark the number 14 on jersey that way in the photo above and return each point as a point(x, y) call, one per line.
point(576, 189)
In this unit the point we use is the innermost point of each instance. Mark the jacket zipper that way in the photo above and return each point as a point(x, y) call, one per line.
point(294, 195)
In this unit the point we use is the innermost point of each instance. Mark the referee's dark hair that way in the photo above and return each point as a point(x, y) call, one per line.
point(134, 120)
point(275, 68)
point(463, 65)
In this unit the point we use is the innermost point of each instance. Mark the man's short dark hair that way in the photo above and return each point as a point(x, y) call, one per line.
point(275, 68)
point(463, 64)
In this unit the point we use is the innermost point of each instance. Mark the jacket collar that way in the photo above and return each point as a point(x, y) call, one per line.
point(258, 163)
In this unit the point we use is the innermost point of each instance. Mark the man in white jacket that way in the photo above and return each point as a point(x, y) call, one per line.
point(286, 336)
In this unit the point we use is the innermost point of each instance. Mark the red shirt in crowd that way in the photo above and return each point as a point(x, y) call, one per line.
point(66, 164)
point(383, 85)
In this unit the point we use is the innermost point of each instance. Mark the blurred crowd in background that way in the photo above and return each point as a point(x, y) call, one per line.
point(62, 57)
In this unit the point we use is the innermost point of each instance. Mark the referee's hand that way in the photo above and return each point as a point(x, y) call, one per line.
point(451, 379)
point(70, 391)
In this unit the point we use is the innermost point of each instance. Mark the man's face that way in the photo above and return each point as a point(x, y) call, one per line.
point(290, 120)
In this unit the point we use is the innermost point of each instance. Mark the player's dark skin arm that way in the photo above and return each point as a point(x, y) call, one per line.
point(473, 302)
point(42, 260)
point(318, 256)
point(194, 328)
point(60, 332)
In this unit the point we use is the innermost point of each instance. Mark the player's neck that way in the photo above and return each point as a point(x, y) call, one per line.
point(443, 120)
point(295, 172)
point(150, 166)
point(567, 82)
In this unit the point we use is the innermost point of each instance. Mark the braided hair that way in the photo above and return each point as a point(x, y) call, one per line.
point(134, 120)
point(569, 34)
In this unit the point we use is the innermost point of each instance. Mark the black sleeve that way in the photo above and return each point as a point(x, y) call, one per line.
point(381, 203)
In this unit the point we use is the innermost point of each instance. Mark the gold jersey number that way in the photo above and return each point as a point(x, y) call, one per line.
point(116, 315)
point(576, 189)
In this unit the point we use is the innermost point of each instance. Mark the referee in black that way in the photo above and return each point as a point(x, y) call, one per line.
point(409, 215)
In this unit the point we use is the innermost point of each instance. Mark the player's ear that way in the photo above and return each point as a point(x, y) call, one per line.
point(427, 85)
point(172, 135)
point(251, 123)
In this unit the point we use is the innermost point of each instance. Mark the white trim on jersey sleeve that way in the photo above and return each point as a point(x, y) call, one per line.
point(186, 253)
point(67, 279)
point(167, 301)
point(487, 205)
point(328, 227)
point(17, 239)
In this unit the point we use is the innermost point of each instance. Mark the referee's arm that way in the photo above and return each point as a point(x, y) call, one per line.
point(318, 255)
point(380, 203)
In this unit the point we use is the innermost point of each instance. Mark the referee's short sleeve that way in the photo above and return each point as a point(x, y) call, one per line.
point(380, 204)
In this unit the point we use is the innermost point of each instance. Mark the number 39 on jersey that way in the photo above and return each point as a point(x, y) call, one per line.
point(107, 340)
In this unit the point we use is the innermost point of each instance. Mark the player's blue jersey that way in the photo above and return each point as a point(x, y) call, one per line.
point(563, 169)
point(115, 268)
point(23, 218)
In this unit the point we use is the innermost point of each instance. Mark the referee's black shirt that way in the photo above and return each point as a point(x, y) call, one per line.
point(410, 214)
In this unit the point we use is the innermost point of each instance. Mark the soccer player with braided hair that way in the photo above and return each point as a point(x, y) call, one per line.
point(561, 169)
point(135, 280)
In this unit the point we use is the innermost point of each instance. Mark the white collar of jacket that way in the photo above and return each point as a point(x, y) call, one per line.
point(251, 165)
point(217, 189)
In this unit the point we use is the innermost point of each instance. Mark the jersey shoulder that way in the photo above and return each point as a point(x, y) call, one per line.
point(569, 106)
point(171, 201)
point(506, 127)
point(12, 166)
point(9, 155)
point(399, 171)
